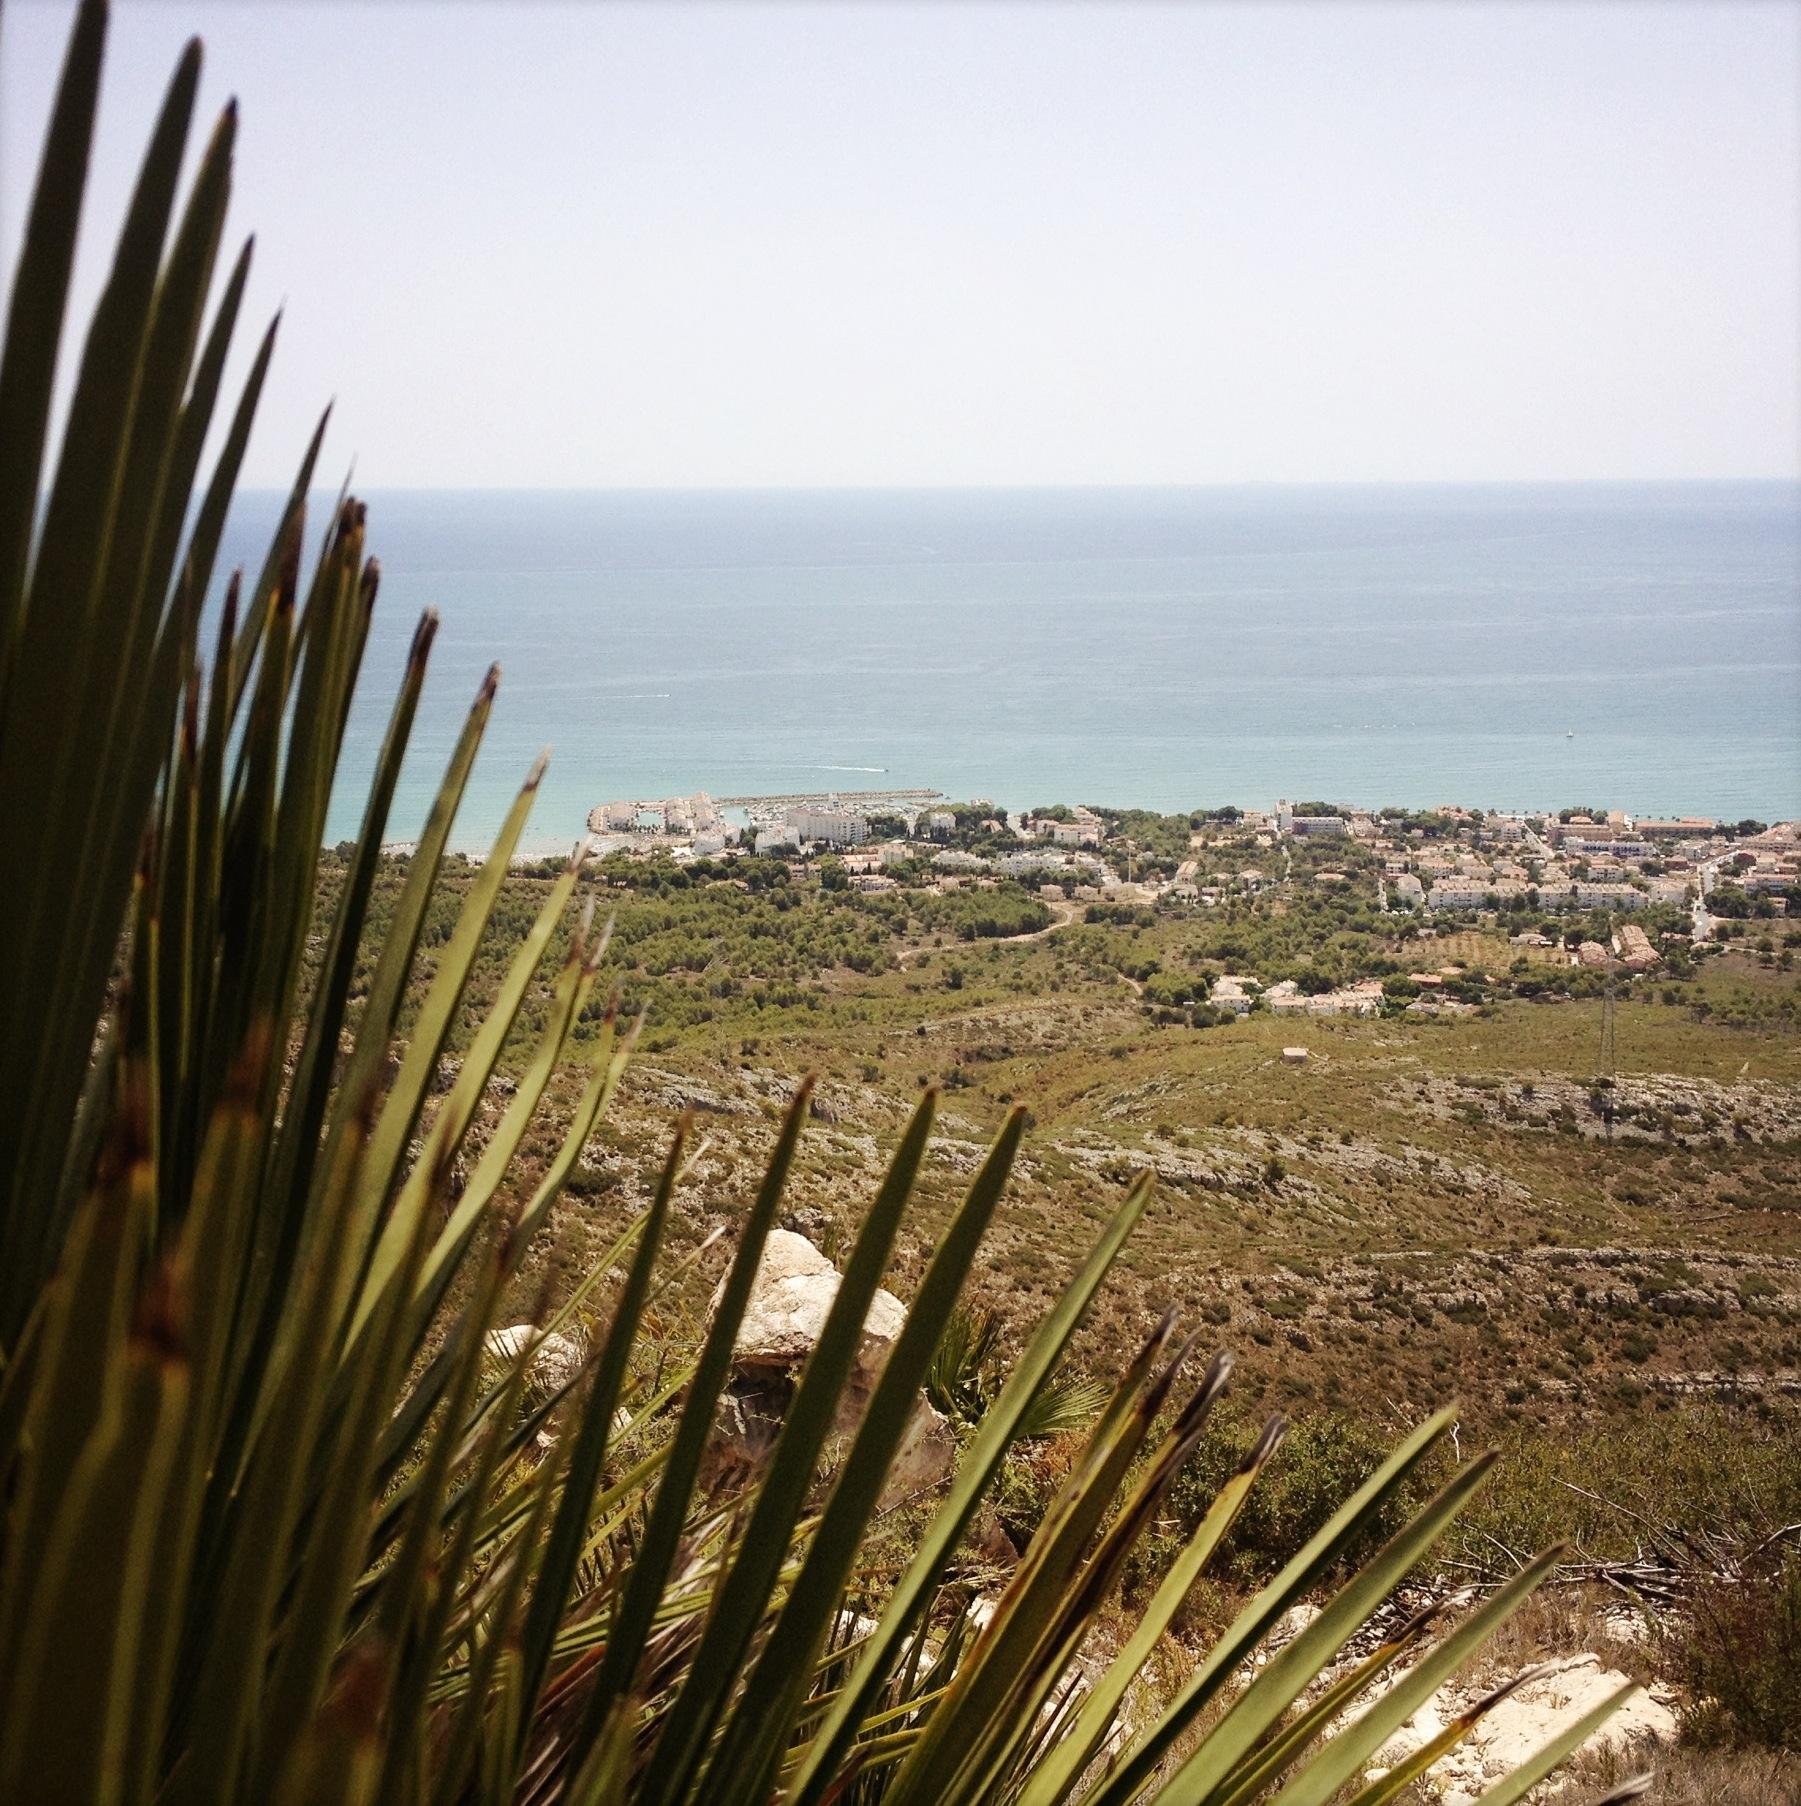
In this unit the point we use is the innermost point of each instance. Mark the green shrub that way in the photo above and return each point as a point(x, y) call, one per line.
point(1737, 1648)
point(1321, 1460)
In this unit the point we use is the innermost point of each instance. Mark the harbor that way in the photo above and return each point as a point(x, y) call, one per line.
point(708, 824)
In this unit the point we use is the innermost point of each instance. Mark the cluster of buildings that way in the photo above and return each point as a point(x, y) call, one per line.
point(1083, 829)
point(1476, 859)
point(1572, 862)
point(696, 826)
point(1632, 946)
point(1455, 860)
point(1363, 998)
point(686, 817)
point(1496, 861)
point(695, 821)
point(872, 868)
point(1770, 862)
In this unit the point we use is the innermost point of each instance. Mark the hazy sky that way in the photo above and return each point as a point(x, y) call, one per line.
point(689, 244)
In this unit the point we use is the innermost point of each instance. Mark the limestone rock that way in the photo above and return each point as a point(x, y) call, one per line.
point(789, 1299)
point(555, 1360)
point(926, 1456)
point(745, 1428)
point(1418, 1731)
point(1537, 1712)
point(809, 1220)
point(1546, 1706)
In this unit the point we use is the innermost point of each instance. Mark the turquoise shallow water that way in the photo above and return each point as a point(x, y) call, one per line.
point(1168, 648)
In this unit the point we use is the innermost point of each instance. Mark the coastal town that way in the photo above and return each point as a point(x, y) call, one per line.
point(1447, 867)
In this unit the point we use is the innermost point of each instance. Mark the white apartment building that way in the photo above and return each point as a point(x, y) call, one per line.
point(1608, 896)
point(1473, 893)
point(836, 827)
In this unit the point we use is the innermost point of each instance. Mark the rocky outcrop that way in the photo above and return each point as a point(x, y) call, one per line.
point(790, 1298)
point(1530, 1717)
point(927, 1456)
point(745, 1426)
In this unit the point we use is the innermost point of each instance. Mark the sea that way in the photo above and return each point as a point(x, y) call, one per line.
point(1633, 646)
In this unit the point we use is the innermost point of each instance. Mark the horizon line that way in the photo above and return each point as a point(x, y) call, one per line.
point(1790, 480)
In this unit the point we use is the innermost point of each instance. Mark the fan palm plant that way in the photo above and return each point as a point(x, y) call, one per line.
point(969, 1369)
point(273, 1528)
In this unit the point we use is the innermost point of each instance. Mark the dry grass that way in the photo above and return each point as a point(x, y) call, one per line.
point(1480, 952)
point(1566, 1621)
point(1690, 1777)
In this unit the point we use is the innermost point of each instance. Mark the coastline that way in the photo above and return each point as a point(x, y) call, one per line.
point(534, 847)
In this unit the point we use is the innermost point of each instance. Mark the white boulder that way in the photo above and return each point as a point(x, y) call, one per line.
point(553, 1361)
point(789, 1299)
point(927, 1455)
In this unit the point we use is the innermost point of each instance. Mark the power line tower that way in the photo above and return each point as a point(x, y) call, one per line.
point(1605, 1081)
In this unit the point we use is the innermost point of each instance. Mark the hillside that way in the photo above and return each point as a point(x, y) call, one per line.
point(1437, 1205)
